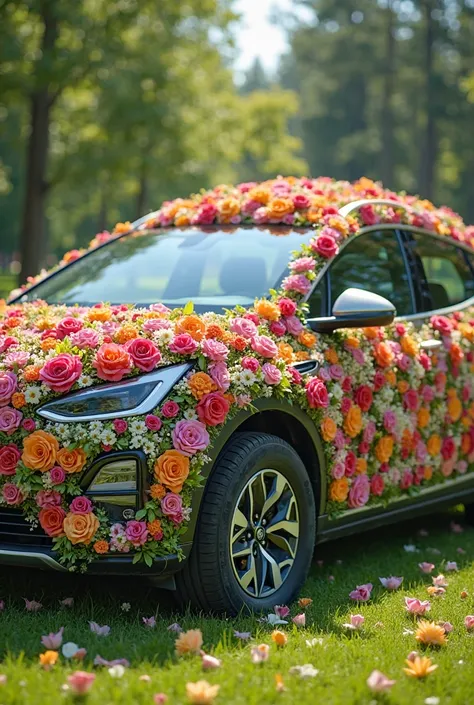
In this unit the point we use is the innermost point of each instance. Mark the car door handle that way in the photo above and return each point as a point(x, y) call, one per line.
point(431, 344)
point(307, 366)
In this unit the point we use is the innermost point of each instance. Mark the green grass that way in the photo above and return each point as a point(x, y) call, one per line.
point(344, 660)
point(7, 283)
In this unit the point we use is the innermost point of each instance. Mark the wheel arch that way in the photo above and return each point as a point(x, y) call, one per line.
point(281, 419)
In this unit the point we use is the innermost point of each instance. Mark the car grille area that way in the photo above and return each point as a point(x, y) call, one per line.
point(15, 531)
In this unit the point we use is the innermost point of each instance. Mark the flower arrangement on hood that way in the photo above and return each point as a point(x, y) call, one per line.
point(391, 416)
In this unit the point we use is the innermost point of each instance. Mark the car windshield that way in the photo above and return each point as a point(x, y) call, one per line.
point(216, 268)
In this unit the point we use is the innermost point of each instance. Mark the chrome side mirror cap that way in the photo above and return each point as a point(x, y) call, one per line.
point(356, 308)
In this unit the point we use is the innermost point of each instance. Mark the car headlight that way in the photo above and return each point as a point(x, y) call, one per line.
point(131, 397)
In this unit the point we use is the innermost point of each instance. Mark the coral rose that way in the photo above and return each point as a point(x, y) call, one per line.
point(112, 362)
point(433, 445)
point(71, 460)
point(383, 355)
point(353, 421)
point(172, 470)
point(80, 528)
point(51, 519)
point(39, 451)
point(338, 490)
point(213, 408)
point(192, 325)
point(61, 372)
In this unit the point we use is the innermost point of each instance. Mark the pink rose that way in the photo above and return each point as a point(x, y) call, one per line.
point(9, 457)
point(302, 264)
point(28, 424)
point(407, 480)
point(250, 363)
point(154, 324)
point(368, 214)
point(389, 421)
point(359, 492)
point(170, 409)
point(469, 622)
point(12, 494)
point(136, 532)
point(172, 507)
point(68, 326)
point(48, 498)
point(301, 201)
point(61, 372)
point(316, 393)
point(243, 327)
point(205, 214)
point(339, 439)
point(369, 432)
point(85, 338)
point(144, 353)
point(252, 316)
point(325, 245)
point(363, 397)
point(338, 471)
point(80, 505)
point(293, 325)
point(379, 380)
point(296, 376)
point(153, 423)
point(214, 349)
point(410, 400)
point(364, 447)
point(160, 308)
point(7, 342)
point(287, 306)
point(57, 475)
point(10, 419)
point(416, 606)
point(324, 374)
point(358, 355)
point(336, 372)
point(298, 283)
point(428, 394)
point(271, 373)
point(350, 464)
point(377, 485)
point(442, 324)
point(264, 346)
point(220, 375)
point(346, 385)
point(183, 344)
point(346, 404)
point(8, 385)
point(278, 328)
point(189, 437)
point(120, 425)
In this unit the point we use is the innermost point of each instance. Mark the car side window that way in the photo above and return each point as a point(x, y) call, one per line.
point(446, 270)
point(317, 300)
point(374, 262)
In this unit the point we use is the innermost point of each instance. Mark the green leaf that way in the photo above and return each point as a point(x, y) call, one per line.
point(202, 362)
point(148, 559)
point(141, 514)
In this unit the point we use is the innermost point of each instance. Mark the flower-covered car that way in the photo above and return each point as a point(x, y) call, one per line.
point(276, 364)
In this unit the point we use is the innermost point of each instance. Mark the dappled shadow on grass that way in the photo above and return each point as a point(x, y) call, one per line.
point(338, 567)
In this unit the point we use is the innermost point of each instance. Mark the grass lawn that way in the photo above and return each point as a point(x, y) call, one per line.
point(344, 659)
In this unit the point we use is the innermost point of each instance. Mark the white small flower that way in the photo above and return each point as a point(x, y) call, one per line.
point(410, 548)
point(125, 606)
point(136, 442)
point(32, 394)
point(96, 426)
point(117, 671)
point(190, 415)
point(305, 671)
point(273, 619)
point(108, 437)
point(311, 643)
point(245, 378)
point(149, 447)
point(137, 426)
point(433, 700)
point(84, 381)
point(163, 337)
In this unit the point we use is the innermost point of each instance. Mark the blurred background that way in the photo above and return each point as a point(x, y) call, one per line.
point(108, 107)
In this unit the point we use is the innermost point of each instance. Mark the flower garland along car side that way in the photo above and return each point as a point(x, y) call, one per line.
point(392, 416)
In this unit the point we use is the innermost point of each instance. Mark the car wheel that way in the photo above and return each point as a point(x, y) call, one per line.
point(256, 531)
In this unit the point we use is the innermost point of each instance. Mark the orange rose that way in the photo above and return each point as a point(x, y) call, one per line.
point(370, 333)
point(172, 469)
point(101, 314)
point(328, 429)
point(71, 460)
point(39, 451)
point(267, 310)
point(285, 352)
point(192, 325)
point(408, 345)
point(200, 384)
point(383, 355)
point(403, 386)
point(331, 356)
point(338, 490)
point(259, 194)
point(80, 528)
point(407, 440)
point(465, 443)
point(279, 207)
point(352, 341)
point(307, 339)
point(454, 408)
point(455, 353)
point(361, 466)
point(228, 208)
point(391, 377)
point(423, 417)
point(122, 227)
point(384, 449)
point(353, 421)
point(434, 445)
point(314, 214)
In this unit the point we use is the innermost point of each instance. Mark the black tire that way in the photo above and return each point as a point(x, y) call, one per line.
point(208, 581)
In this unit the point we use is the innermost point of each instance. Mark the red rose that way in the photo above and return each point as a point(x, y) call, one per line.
point(377, 485)
point(442, 324)
point(363, 397)
point(287, 306)
point(68, 326)
point(316, 393)
point(213, 408)
point(9, 457)
point(368, 215)
point(60, 373)
point(407, 480)
point(350, 464)
point(170, 409)
point(448, 448)
point(6, 342)
point(112, 362)
point(144, 353)
point(51, 520)
point(301, 201)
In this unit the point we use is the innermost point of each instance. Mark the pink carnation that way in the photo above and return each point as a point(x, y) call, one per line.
point(48, 498)
point(302, 264)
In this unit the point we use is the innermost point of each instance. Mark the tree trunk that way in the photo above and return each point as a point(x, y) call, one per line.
point(387, 165)
point(429, 144)
point(32, 237)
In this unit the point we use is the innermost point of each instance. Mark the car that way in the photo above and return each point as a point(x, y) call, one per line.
point(275, 365)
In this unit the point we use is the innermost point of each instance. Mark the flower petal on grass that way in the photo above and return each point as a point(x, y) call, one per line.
point(426, 567)
point(67, 602)
point(361, 593)
point(242, 635)
point(420, 667)
point(378, 682)
point(189, 642)
point(160, 698)
point(210, 663)
point(469, 622)
point(299, 620)
point(392, 583)
point(99, 661)
point(307, 670)
point(305, 602)
point(430, 633)
point(149, 622)
point(279, 637)
point(416, 606)
point(451, 566)
point(201, 692)
point(53, 641)
point(355, 622)
point(260, 653)
point(117, 671)
point(100, 631)
point(32, 605)
point(3, 679)
point(281, 611)
point(48, 659)
point(440, 581)
point(80, 682)
point(175, 627)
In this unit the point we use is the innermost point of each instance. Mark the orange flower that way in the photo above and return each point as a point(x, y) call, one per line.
point(454, 408)
point(189, 642)
point(403, 386)
point(48, 344)
point(455, 353)
point(126, 333)
point(172, 469)
point(361, 466)
point(101, 313)
point(305, 602)
point(285, 352)
point(314, 214)
point(157, 491)
point(44, 324)
point(191, 325)
point(428, 472)
point(352, 341)
point(430, 633)
point(331, 356)
point(279, 207)
point(353, 421)
point(259, 194)
point(383, 355)
point(267, 310)
point(201, 693)
point(213, 331)
point(407, 440)
point(423, 418)
point(12, 322)
point(71, 460)
point(434, 445)
point(409, 346)
point(182, 220)
point(328, 429)
point(465, 443)
point(239, 343)
point(370, 333)
point(80, 528)
point(338, 490)
point(48, 659)
point(101, 547)
point(420, 667)
point(301, 356)
point(18, 400)
point(122, 227)
point(307, 339)
point(31, 373)
point(154, 527)
point(391, 377)
point(200, 384)
point(279, 637)
point(384, 449)
point(39, 451)
point(228, 208)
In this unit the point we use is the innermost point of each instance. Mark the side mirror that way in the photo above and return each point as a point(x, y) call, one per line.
point(356, 308)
